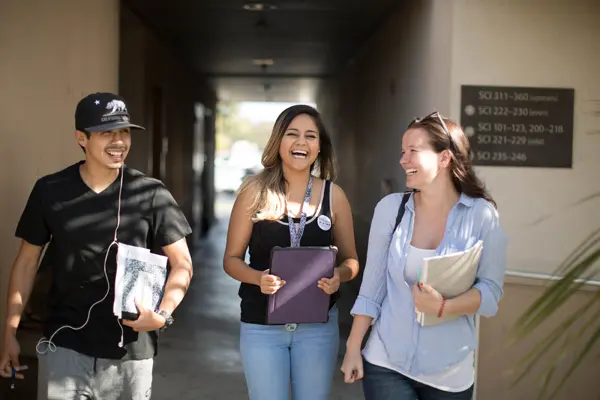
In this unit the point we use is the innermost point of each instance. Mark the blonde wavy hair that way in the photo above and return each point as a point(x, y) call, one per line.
point(268, 186)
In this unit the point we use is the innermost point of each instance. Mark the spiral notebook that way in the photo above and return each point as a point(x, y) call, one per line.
point(141, 275)
point(300, 300)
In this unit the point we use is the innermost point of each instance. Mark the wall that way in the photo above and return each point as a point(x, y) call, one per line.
point(517, 44)
point(52, 54)
point(157, 82)
point(415, 63)
point(545, 44)
point(499, 357)
point(394, 78)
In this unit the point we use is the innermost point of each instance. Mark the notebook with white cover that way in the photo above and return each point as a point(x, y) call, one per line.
point(451, 275)
point(140, 275)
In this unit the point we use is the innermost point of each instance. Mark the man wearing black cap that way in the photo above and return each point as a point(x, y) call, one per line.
point(83, 212)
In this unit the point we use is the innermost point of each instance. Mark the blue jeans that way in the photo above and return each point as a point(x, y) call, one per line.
point(384, 384)
point(276, 355)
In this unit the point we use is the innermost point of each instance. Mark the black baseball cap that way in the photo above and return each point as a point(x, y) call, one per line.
point(102, 112)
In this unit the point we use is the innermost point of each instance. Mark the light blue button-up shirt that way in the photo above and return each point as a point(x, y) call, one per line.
point(387, 298)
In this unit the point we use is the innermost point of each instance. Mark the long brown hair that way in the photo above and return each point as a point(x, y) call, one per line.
point(464, 178)
point(268, 186)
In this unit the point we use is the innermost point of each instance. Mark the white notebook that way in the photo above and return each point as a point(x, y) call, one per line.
point(451, 275)
point(140, 275)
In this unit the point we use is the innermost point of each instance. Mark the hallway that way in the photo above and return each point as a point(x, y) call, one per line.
point(198, 357)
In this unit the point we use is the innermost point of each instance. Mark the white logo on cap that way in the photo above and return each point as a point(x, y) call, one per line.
point(324, 222)
point(116, 106)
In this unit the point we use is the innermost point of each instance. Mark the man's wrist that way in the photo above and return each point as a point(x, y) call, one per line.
point(168, 319)
point(10, 331)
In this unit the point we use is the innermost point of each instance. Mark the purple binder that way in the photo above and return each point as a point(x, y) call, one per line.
point(300, 300)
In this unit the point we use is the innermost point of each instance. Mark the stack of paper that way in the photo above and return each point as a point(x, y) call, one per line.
point(141, 276)
point(451, 275)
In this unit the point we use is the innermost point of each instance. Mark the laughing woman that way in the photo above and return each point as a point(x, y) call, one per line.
point(448, 211)
point(294, 190)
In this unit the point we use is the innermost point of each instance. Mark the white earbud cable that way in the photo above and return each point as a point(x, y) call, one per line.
point(51, 345)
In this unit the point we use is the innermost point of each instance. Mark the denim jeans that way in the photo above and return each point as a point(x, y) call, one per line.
point(302, 356)
point(384, 384)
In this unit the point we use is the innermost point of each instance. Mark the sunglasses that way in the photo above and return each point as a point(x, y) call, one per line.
point(436, 116)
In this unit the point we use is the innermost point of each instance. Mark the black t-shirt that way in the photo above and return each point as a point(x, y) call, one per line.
point(80, 226)
point(269, 234)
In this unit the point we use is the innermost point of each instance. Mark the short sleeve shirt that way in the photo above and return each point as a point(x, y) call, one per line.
point(79, 225)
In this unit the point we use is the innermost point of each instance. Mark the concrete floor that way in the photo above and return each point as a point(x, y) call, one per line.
point(199, 355)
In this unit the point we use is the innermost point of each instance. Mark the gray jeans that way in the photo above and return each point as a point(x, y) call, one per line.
point(68, 375)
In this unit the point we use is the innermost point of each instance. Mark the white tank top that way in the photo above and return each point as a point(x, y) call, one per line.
point(457, 377)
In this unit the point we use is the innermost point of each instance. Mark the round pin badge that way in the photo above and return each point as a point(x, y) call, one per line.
point(324, 222)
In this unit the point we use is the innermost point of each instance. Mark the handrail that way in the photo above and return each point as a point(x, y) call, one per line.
point(548, 277)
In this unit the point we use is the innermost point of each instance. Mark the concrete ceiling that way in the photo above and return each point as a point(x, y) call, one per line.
point(308, 40)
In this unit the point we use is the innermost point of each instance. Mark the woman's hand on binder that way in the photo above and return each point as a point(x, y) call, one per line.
point(330, 285)
point(270, 284)
point(427, 299)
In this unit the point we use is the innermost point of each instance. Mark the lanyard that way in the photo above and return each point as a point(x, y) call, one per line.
point(296, 235)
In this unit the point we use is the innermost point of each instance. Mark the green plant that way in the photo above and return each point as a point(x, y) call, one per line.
point(578, 334)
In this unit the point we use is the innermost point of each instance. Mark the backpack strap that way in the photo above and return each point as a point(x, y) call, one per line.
point(401, 208)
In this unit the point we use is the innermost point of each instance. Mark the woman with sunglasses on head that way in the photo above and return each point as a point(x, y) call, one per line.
point(291, 202)
point(447, 211)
